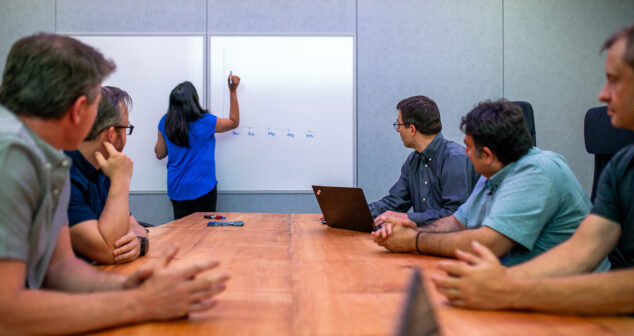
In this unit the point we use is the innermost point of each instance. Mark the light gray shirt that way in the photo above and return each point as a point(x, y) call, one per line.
point(33, 197)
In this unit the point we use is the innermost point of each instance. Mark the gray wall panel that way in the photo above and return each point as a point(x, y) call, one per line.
point(551, 59)
point(282, 16)
point(450, 51)
point(131, 16)
point(23, 17)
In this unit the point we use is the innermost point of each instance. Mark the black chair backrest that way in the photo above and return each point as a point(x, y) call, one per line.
point(527, 109)
point(603, 140)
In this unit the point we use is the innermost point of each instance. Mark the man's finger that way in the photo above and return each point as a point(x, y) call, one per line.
point(126, 257)
point(110, 148)
point(168, 256)
point(191, 270)
point(454, 268)
point(484, 252)
point(201, 306)
point(214, 283)
point(124, 240)
point(100, 159)
point(470, 258)
point(445, 282)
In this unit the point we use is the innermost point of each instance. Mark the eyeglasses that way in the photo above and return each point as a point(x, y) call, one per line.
point(397, 125)
point(128, 128)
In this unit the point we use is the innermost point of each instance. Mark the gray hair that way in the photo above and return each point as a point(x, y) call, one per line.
point(46, 73)
point(109, 113)
point(628, 34)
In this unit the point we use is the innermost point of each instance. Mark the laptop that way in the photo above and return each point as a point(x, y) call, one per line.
point(344, 208)
point(418, 314)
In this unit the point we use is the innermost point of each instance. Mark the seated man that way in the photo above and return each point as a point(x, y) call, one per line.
point(101, 227)
point(526, 202)
point(49, 96)
point(437, 176)
point(551, 282)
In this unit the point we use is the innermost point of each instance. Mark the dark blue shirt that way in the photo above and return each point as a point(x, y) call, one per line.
point(435, 183)
point(89, 190)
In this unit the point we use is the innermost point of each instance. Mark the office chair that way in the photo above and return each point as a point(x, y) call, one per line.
point(603, 140)
point(527, 109)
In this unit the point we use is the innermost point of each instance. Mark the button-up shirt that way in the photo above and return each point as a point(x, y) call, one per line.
point(434, 183)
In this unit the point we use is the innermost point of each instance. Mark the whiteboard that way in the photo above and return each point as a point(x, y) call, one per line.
point(148, 68)
point(296, 100)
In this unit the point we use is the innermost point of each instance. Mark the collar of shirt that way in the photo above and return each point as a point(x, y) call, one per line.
point(494, 181)
point(432, 148)
point(80, 163)
point(51, 157)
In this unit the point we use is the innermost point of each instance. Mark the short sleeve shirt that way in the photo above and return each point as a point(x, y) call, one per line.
point(191, 172)
point(615, 201)
point(89, 190)
point(33, 198)
point(535, 201)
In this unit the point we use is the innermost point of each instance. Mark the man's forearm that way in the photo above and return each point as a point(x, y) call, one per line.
point(446, 224)
point(75, 275)
point(114, 220)
point(48, 312)
point(446, 244)
point(602, 293)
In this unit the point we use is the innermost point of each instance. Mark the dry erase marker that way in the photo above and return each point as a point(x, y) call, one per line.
point(230, 77)
point(215, 217)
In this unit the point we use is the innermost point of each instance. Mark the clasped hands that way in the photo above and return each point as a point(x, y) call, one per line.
point(395, 231)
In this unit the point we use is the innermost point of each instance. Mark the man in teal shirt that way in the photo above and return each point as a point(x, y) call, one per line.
point(526, 202)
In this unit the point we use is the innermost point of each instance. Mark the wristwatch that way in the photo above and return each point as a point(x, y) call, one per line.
point(145, 245)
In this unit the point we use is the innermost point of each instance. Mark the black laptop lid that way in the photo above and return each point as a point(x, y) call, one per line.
point(344, 208)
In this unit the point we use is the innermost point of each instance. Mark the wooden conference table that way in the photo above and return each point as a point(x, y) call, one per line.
point(291, 275)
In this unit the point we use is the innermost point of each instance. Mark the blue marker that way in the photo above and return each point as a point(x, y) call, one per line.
point(230, 78)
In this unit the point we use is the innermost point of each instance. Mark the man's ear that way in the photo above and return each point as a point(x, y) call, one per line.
point(488, 155)
point(109, 134)
point(411, 129)
point(76, 109)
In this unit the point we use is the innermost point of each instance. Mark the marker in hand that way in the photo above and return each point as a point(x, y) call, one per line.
point(230, 77)
point(215, 217)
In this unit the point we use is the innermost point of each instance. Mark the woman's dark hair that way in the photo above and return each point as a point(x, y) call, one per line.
point(421, 112)
point(184, 108)
point(500, 126)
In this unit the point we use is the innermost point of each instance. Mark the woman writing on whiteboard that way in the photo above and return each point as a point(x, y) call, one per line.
point(186, 137)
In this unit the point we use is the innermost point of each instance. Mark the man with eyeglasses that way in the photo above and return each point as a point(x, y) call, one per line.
point(437, 176)
point(101, 226)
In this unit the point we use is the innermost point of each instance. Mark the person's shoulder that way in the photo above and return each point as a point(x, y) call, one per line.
point(624, 158)
point(207, 116)
point(453, 149)
point(545, 162)
point(161, 124)
point(622, 162)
